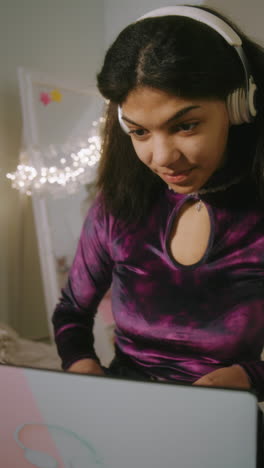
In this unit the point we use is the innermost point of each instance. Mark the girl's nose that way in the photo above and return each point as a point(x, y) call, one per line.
point(164, 151)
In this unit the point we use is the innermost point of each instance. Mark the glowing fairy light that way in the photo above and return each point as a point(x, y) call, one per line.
point(76, 166)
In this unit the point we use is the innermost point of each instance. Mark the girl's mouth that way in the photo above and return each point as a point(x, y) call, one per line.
point(179, 177)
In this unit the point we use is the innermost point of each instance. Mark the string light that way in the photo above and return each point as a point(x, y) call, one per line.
point(77, 165)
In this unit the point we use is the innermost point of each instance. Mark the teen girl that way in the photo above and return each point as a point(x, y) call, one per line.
point(177, 226)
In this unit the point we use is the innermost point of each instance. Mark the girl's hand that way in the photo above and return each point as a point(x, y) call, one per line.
point(233, 377)
point(86, 366)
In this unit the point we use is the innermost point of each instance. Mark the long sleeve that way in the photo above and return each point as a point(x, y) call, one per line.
point(89, 278)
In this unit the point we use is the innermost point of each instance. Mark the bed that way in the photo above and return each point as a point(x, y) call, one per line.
point(19, 351)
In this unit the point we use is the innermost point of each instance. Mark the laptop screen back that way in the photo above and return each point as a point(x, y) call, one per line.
point(52, 419)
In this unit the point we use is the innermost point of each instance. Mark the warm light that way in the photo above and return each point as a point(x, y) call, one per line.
point(77, 167)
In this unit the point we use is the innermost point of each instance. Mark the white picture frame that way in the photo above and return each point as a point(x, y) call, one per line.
point(30, 82)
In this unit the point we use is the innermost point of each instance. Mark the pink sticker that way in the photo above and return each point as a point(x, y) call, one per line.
point(45, 98)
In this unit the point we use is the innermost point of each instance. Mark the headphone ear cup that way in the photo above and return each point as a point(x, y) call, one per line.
point(241, 105)
point(252, 97)
point(40, 459)
point(237, 107)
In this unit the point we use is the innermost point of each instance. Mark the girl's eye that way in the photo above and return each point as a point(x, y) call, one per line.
point(139, 132)
point(185, 127)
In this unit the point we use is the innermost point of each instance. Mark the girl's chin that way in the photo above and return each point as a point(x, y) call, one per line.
point(182, 190)
point(186, 188)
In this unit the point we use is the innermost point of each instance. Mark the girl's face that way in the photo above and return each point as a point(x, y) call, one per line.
point(182, 140)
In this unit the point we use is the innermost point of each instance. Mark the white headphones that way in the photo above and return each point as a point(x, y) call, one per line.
point(240, 103)
point(44, 460)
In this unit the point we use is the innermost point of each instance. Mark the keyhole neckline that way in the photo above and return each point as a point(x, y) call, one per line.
point(173, 216)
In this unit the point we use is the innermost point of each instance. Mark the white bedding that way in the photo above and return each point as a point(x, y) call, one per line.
point(18, 351)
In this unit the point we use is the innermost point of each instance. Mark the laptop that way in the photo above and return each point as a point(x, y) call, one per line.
point(52, 419)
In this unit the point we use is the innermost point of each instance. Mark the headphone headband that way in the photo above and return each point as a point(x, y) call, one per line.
point(199, 15)
point(205, 17)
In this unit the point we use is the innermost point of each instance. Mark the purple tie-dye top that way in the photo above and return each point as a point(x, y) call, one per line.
point(176, 322)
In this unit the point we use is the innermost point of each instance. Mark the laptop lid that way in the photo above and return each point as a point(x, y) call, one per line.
point(52, 419)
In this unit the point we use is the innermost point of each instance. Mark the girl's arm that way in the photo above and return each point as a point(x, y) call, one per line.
point(89, 279)
point(247, 375)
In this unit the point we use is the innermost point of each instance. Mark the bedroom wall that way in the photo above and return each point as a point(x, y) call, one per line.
point(247, 14)
point(119, 13)
point(58, 37)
